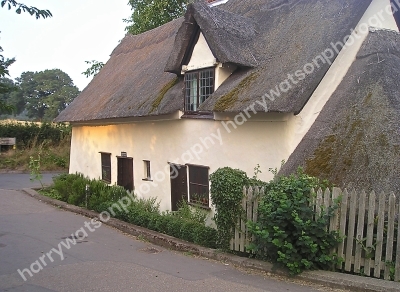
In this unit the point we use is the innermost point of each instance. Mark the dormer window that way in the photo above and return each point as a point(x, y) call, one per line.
point(199, 85)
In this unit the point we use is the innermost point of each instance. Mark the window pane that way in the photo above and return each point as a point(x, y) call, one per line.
point(106, 167)
point(198, 174)
point(198, 87)
point(199, 185)
point(191, 92)
point(147, 172)
point(206, 84)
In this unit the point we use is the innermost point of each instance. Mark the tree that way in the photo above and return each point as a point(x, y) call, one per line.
point(5, 63)
point(93, 69)
point(46, 93)
point(9, 97)
point(20, 7)
point(5, 85)
point(149, 14)
point(12, 97)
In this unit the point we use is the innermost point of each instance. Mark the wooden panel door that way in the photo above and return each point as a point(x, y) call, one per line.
point(125, 173)
point(179, 187)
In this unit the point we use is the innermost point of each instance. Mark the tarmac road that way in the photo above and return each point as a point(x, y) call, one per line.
point(19, 181)
point(105, 260)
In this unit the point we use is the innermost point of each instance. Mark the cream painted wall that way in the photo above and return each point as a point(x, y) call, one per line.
point(377, 15)
point(200, 142)
point(222, 72)
point(202, 57)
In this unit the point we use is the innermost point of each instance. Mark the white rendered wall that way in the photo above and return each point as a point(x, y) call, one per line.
point(201, 142)
point(202, 57)
point(377, 15)
point(222, 72)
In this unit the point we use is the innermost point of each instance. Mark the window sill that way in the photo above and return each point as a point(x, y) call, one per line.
point(199, 206)
point(106, 181)
point(147, 179)
point(198, 115)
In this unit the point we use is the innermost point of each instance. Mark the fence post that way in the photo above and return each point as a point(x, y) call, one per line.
point(397, 268)
point(390, 236)
point(343, 219)
point(350, 233)
point(242, 223)
point(360, 232)
point(379, 236)
point(334, 226)
point(370, 233)
point(319, 204)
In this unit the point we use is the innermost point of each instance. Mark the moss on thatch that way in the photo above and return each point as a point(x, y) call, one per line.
point(229, 99)
point(360, 148)
point(162, 93)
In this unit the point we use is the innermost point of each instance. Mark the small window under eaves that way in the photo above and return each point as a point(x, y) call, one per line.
point(199, 85)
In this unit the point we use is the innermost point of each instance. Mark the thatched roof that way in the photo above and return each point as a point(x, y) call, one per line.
point(133, 82)
point(268, 39)
point(356, 138)
point(230, 35)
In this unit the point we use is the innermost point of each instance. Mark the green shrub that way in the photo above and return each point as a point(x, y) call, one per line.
point(174, 226)
point(285, 232)
point(187, 223)
point(191, 213)
point(226, 194)
point(72, 189)
point(145, 213)
point(51, 193)
point(29, 133)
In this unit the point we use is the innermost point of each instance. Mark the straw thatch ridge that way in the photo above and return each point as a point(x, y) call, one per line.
point(355, 140)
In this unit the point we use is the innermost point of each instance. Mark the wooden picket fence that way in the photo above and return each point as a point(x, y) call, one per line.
point(369, 224)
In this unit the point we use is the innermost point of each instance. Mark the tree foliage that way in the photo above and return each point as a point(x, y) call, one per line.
point(5, 85)
point(46, 93)
point(5, 63)
point(20, 7)
point(93, 69)
point(7, 90)
point(149, 14)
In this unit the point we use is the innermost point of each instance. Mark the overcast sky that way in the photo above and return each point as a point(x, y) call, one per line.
point(79, 31)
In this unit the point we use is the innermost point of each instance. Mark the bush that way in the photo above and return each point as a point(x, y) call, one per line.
point(285, 232)
point(226, 194)
point(187, 223)
point(49, 141)
point(27, 134)
point(145, 214)
point(72, 189)
point(191, 213)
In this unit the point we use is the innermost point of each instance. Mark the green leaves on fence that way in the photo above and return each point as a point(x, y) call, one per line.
point(226, 194)
point(287, 232)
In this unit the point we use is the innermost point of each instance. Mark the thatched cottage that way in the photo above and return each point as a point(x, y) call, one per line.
point(241, 84)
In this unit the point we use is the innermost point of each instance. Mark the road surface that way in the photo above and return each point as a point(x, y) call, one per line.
point(18, 181)
point(48, 248)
